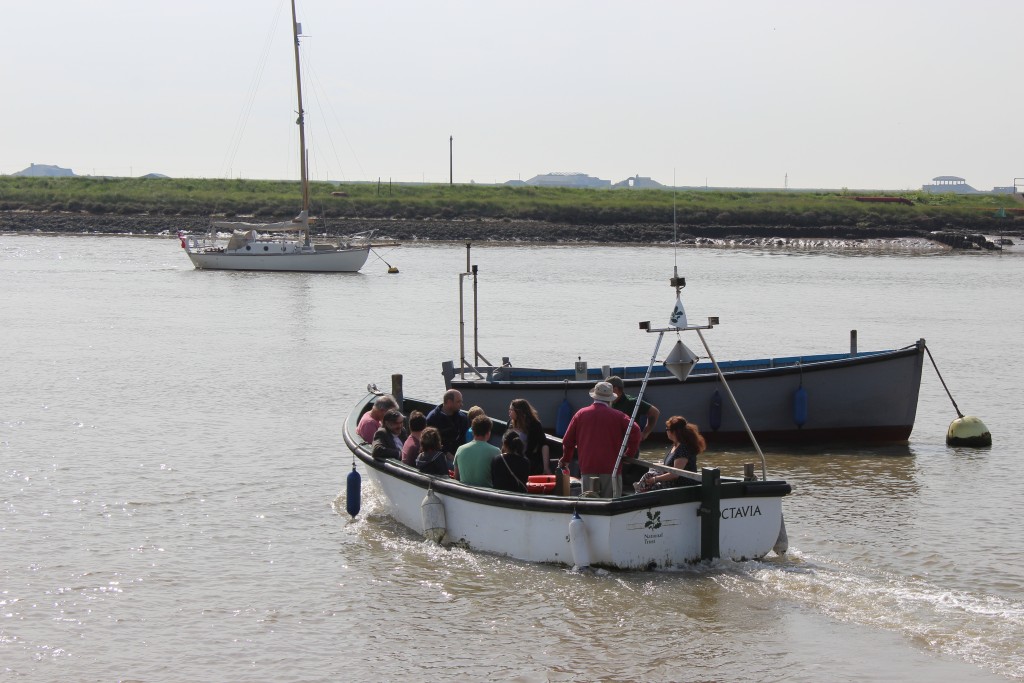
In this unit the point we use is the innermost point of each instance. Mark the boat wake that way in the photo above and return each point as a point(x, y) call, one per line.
point(982, 630)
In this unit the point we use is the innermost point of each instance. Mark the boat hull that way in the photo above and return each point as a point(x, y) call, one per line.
point(334, 261)
point(859, 398)
point(641, 531)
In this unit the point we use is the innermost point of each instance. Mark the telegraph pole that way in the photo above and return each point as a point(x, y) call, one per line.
point(451, 165)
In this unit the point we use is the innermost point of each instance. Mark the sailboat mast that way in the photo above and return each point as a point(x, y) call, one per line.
point(303, 175)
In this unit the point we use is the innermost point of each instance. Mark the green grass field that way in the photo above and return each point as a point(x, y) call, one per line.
point(279, 199)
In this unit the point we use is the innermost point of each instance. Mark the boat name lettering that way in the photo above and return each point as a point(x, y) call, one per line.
point(745, 511)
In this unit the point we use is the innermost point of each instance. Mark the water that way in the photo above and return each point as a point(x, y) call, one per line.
point(173, 472)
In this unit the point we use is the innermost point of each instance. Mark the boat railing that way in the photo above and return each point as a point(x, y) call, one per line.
point(513, 374)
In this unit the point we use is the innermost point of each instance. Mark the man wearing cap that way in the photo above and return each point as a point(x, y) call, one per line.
point(389, 439)
point(597, 432)
point(648, 414)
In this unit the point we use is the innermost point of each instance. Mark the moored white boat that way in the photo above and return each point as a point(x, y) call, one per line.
point(249, 247)
point(731, 518)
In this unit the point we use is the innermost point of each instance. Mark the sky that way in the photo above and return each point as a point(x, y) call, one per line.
point(759, 93)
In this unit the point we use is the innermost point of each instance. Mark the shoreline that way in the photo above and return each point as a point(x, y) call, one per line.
point(521, 232)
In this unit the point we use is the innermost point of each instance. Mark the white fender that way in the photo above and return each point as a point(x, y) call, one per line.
point(578, 541)
point(432, 515)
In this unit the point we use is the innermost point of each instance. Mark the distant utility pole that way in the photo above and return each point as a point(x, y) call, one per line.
point(451, 163)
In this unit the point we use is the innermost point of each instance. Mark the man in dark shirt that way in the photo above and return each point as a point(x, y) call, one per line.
point(449, 419)
point(646, 417)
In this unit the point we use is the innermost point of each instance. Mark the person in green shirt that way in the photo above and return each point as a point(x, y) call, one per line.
point(646, 417)
point(473, 459)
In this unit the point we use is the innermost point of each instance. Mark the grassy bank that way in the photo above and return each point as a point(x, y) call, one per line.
point(278, 200)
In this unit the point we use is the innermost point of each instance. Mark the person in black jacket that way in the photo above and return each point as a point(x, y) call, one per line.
point(432, 460)
point(524, 420)
point(389, 439)
point(510, 469)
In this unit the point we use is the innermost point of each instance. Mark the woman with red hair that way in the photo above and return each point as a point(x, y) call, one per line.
point(687, 444)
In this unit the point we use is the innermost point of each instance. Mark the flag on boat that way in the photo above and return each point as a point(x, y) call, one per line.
point(678, 317)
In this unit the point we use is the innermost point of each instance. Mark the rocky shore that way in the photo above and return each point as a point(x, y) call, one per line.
point(27, 222)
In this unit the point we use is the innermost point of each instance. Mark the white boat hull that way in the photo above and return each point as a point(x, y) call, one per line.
point(641, 531)
point(334, 261)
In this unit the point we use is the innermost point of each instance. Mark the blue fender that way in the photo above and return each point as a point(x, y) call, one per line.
point(565, 413)
point(800, 407)
point(715, 411)
point(353, 492)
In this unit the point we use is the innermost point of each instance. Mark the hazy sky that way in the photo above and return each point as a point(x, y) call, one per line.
point(835, 94)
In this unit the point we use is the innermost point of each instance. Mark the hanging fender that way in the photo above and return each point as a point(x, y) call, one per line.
point(800, 407)
point(353, 492)
point(715, 411)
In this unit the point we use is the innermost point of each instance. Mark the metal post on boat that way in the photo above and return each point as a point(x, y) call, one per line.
point(735, 404)
point(462, 318)
point(853, 343)
point(616, 481)
point(710, 511)
point(471, 271)
point(476, 323)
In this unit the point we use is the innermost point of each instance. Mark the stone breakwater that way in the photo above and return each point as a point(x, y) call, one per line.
point(455, 230)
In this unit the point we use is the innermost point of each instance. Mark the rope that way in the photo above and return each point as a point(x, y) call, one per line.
point(957, 409)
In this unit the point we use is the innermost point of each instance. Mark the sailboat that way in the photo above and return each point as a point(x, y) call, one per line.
point(283, 246)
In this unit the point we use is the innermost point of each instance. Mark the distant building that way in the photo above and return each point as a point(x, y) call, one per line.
point(41, 170)
point(639, 182)
point(563, 179)
point(952, 184)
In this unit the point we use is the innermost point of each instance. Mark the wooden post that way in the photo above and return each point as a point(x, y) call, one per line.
point(710, 511)
point(396, 391)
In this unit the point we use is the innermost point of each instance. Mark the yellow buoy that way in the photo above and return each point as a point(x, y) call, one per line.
point(968, 431)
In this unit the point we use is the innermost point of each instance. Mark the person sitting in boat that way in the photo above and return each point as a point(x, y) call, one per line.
point(432, 458)
point(510, 469)
point(411, 447)
point(687, 444)
point(369, 423)
point(449, 419)
point(646, 416)
point(473, 460)
point(524, 420)
point(389, 440)
point(472, 414)
point(598, 431)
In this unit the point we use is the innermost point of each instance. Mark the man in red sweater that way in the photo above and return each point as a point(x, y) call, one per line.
point(597, 431)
